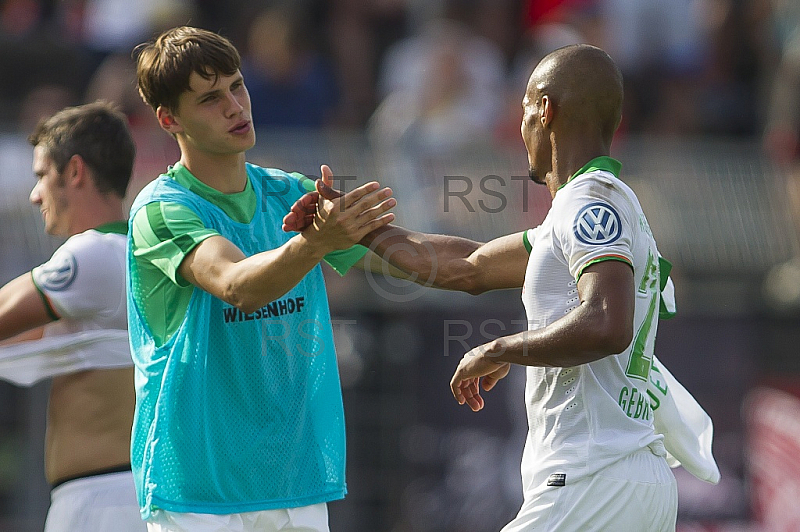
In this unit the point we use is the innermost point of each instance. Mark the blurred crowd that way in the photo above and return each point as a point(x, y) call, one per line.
point(438, 70)
point(427, 80)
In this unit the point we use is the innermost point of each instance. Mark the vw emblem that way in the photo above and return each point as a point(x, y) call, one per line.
point(597, 223)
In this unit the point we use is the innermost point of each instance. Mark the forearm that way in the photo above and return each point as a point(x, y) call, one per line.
point(430, 260)
point(251, 282)
point(584, 335)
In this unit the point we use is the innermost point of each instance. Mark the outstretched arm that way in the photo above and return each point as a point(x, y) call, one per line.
point(441, 261)
point(450, 262)
point(219, 267)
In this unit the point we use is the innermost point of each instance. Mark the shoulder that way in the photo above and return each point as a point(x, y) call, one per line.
point(595, 188)
point(92, 243)
point(91, 253)
point(160, 221)
point(163, 188)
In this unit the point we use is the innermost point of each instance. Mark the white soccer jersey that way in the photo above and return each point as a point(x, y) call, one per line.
point(584, 418)
point(84, 281)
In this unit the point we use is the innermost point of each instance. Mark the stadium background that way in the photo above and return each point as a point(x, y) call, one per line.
point(425, 97)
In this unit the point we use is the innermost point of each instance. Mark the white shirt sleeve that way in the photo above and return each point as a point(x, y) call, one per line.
point(85, 277)
point(593, 223)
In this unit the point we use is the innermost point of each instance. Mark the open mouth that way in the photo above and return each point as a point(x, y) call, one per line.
point(241, 127)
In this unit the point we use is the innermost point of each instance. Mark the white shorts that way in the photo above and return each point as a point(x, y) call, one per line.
point(99, 503)
point(638, 492)
point(312, 518)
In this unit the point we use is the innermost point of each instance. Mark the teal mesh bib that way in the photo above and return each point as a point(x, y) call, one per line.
point(238, 412)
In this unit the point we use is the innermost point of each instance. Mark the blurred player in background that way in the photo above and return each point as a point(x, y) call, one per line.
point(67, 320)
point(239, 422)
point(591, 286)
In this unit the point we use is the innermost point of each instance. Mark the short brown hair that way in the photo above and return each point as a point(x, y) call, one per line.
point(165, 64)
point(99, 133)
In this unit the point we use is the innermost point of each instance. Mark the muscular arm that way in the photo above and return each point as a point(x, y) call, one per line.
point(21, 307)
point(451, 262)
point(442, 261)
point(601, 325)
point(219, 267)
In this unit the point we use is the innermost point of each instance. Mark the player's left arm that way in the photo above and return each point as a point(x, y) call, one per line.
point(23, 308)
point(601, 325)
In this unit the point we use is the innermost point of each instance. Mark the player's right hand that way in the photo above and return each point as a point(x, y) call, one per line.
point(341, 221)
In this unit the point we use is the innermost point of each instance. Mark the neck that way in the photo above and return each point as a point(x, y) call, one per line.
point(92, 214)
point(225, 173)
point(568, 158)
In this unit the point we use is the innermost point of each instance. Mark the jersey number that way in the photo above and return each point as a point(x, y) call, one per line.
point(639, 363)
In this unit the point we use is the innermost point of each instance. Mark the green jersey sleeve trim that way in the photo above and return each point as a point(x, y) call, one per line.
point(119, 227)
point(48, 307)
point(664, 269)
point(619, 258)
point(342, 260)
point(527, 242)
point(307, 183)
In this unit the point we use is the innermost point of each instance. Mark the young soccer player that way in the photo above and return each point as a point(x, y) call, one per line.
point(591, 287)
point(239, 422)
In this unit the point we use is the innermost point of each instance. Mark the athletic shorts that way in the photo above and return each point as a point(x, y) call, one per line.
point(102, 503)
point(638, 492)
point(312, 518)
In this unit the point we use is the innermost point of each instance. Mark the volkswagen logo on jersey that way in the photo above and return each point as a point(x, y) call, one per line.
point(597, 223)
point(59, 272)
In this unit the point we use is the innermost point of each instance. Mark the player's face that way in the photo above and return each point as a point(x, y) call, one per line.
point(49, 193)
point(213, 117)
point(533, 135)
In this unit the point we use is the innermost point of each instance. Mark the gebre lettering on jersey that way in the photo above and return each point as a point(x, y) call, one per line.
point(634, 403)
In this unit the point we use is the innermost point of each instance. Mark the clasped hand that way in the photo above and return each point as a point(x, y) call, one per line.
point(336, 220)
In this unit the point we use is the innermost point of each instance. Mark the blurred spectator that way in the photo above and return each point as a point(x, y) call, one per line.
point(782, 132)
point(661, 48)
point(119, 25)
point(441, 90)
point(42, 102)
point(358, 33)
point(781, 142)
point(290, 84)
point(549, 25)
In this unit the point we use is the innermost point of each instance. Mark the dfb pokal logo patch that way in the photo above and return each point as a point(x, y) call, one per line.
point(59, 272)
point(597, 223)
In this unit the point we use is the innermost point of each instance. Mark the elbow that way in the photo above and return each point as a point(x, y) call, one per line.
point(619, 341)
point(613, 338)
point(467, 280)
point(237, 296)
point(606, 336)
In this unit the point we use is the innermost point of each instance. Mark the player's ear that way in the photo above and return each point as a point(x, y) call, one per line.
point(547, 110)
point(167, 120)
point(75, 171)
